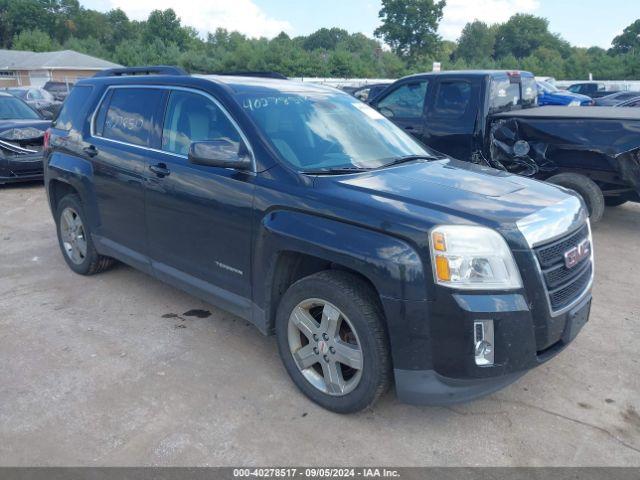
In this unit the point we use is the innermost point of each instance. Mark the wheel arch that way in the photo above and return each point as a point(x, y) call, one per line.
point(57, 190)
point(65, 173)
point(292, 245)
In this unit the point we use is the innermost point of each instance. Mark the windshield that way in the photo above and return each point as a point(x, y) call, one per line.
point(547, 87)
point(327, 130)
point(13, 109)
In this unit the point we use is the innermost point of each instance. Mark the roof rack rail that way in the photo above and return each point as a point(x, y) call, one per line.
point(255, 74)
point(150, 70)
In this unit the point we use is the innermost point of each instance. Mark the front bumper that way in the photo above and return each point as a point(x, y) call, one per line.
point(427, 387)
point(21, 168)
point(437, 365)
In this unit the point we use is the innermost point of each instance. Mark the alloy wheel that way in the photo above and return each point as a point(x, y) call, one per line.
point(73, 235)
point(325, 347)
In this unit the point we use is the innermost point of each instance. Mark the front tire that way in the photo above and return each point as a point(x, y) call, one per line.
point(586, 188)
point(75, 240)
point(332, 340)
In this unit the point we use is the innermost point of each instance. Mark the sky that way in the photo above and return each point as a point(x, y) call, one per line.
point(583, 23)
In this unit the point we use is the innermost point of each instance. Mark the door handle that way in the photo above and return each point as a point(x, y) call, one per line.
point(91, 150)
point(160, 169)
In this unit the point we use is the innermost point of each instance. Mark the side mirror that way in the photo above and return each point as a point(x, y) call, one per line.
point(387, 112)
point(46, 114)
point(220, 153)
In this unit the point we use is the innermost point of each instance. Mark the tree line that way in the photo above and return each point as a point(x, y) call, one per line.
point(408, 28)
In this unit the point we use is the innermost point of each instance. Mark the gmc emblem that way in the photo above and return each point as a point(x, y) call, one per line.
point(577, 254)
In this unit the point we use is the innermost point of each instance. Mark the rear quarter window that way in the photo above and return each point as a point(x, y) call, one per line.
point(503, 94)
point(74, 109)
point(529, 91)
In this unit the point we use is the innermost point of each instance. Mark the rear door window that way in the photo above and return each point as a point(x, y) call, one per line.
point(405, 102)
point(452, 98)
point(130, 115)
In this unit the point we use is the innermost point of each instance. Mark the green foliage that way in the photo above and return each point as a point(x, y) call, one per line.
point(164, 25)
point(325, 39)
point(521, 35)
point(33, 40)
point(629, 40)
point(409, 27)
point(476, 41)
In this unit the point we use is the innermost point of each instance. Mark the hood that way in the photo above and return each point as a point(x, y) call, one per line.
point(454, 189)
point(38, 124)
point(20, 129)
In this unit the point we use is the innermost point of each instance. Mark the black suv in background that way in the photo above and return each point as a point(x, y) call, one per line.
point(301, 209)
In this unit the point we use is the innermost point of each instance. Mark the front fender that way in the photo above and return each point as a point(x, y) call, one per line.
point(391, 264)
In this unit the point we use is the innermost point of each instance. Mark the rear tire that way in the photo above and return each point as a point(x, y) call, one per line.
point(356, 349)
point(586, 188)
point(75, 240)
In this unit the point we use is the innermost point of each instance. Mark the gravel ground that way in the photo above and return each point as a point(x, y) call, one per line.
point(120, 369)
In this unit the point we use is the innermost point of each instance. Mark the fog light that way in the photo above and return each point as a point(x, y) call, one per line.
point(483, 342)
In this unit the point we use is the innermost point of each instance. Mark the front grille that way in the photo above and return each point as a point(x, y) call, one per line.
point(564, 285)
point(564, 295)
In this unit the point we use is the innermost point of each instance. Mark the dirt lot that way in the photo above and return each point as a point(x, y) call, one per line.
point(120, 369)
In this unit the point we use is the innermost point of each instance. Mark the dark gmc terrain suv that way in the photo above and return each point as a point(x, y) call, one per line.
point(299, 208)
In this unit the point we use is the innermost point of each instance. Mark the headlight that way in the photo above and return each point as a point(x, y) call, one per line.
point(575, 103)
point(472, 258)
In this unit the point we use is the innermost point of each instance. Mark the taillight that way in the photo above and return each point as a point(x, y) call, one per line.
point(514, 76)
point(47, 137)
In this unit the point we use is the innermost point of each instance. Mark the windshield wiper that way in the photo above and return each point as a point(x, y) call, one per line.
point(336, 170)
point(407, 158)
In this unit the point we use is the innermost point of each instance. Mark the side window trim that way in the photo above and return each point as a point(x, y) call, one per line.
point(101, 114)
point(162, 112)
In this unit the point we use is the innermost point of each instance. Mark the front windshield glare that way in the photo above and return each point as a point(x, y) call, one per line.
point(13, 109)
point(318, 131)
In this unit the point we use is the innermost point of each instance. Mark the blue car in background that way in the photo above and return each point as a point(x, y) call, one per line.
point(550, 95)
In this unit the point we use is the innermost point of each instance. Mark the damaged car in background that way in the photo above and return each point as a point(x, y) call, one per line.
point(38, 99)
point(22, 132)
point(492, 118)
point(594, 151)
